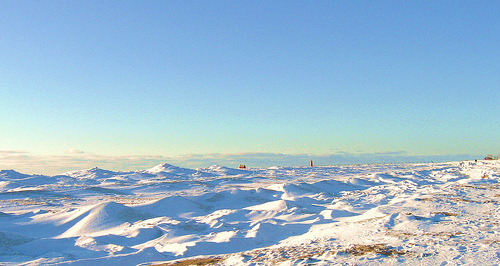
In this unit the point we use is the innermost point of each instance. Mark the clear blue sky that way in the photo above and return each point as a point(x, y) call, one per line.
point(171, 78)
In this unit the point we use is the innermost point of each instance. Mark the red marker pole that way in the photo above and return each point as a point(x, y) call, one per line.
point(312, 163)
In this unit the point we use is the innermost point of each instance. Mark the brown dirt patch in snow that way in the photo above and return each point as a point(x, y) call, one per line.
point(197, 262)
point(408, 235)
point(382, 249)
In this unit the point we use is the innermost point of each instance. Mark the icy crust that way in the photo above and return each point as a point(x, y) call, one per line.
point(410, 214)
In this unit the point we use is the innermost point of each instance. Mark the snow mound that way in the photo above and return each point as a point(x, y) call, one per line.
point(170, 170)
point(12, 175)
point(334, 186)
point(102, 218)
point(222, 170)
point(236, 198)
point(290, 191)
point(175, 206)
point(277, 206)
point(92, 173)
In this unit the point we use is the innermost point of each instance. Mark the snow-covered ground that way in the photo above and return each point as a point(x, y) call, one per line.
point(413, 214)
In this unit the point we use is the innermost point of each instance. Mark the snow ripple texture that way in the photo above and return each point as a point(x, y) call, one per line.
point(409, 214)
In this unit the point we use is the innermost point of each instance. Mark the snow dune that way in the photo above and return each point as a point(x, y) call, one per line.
point(424, 214)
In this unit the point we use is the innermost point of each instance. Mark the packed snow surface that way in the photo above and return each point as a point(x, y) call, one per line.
point(410, 214)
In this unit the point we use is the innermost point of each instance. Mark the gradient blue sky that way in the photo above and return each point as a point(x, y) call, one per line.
point(184, 79)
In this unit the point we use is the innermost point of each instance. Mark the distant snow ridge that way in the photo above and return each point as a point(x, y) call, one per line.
point(93, 173)
point(222, 170)
point(170, 170)
point(12, 180)
point(11, 174)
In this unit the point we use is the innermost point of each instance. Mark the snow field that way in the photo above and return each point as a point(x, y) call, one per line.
point(418, 214)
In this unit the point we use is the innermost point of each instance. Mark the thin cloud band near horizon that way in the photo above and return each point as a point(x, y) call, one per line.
point(25, 162)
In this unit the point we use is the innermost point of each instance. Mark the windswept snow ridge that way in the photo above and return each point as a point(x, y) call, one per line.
point(410, 214)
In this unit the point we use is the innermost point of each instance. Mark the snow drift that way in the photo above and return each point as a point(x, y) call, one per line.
point(370, 214)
